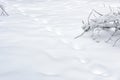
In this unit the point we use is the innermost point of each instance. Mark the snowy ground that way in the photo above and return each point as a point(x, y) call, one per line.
point(37, 42)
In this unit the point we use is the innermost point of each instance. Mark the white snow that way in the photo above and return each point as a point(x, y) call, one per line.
point(37, 42)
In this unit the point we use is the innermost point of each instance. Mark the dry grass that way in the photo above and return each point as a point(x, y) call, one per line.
point(3, 11)
point(103, 22)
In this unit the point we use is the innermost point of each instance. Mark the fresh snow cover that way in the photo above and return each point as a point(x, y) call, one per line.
point(37, 42)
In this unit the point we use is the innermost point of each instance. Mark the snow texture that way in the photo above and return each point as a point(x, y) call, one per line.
point(37, 42)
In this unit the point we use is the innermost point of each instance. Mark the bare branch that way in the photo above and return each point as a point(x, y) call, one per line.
point(116, 41)
point(80, 35)
point(3, 11)
point(98, 12)
point(112, 36)
point(83, 22)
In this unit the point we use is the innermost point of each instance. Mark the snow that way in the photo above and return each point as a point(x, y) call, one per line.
point(37, 42)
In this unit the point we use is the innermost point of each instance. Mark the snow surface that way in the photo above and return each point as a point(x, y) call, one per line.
point(37, 42)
